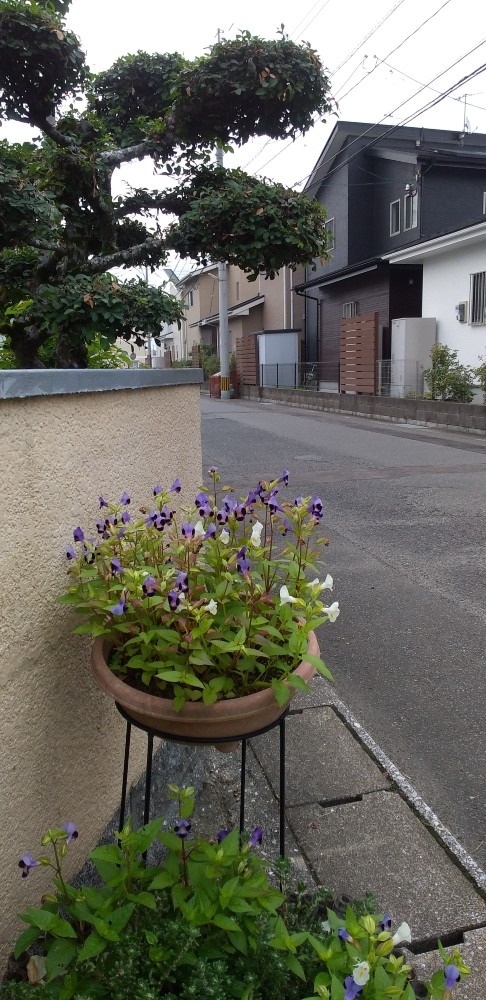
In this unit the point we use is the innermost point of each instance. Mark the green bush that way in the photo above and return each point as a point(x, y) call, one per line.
point(446, 378)
point(481, 376)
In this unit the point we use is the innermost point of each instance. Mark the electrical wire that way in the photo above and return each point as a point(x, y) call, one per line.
point(426, 86)
point(391, 113)
point(367, 37)
point(396, 48)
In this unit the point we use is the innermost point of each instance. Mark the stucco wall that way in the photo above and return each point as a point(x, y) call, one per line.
point(446, 280)
point(61, 740)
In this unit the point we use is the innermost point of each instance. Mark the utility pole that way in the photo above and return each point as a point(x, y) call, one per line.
point(149, 338)
point(223, 307)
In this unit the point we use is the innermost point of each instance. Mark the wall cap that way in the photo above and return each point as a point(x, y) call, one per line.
point(21, 383)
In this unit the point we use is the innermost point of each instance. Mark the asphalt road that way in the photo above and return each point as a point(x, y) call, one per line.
point(405, 510)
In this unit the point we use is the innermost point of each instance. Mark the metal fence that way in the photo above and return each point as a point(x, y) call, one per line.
point(303, 375)
point(399, 378)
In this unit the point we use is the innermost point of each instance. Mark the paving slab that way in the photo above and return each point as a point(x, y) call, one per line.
point(473, 951)
point(378, 844)
point(324, 761)
point(218, 807)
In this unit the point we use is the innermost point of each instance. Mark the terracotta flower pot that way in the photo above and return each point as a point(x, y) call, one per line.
point(227, 718)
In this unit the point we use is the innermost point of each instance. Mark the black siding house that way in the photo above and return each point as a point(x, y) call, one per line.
point(383, 189)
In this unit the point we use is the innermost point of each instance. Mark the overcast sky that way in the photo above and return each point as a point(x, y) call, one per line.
point(375, 83)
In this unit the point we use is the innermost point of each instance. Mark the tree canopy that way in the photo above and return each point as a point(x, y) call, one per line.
point(61, 229)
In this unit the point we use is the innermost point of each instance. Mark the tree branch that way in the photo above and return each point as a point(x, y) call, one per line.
point(133, 256)
point(66, 141)
point(113, 157)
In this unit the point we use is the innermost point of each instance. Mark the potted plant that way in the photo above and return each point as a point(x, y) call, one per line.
point(204, 618)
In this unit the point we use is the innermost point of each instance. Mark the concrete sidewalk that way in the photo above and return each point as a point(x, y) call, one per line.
point(353, 825)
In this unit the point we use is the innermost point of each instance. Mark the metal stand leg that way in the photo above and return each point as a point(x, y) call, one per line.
point(242, 787)
point(148, 784)
point(125, 777)
point(282, 787)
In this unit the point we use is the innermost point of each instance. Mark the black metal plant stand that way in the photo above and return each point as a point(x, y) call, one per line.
point(243, 739)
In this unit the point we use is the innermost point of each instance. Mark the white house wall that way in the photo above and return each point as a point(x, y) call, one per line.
point(446, 280)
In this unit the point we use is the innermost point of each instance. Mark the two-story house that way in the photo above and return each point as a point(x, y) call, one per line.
point(383, 189)
point(265, 306)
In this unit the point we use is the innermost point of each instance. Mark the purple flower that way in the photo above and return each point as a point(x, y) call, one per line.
point(119, 534)
point(315, 508)
point(386, 923)
point(284, 478)
point(222, 516)
point(176, 486)
point(100, 527)
point(188, 530)
point(157, 490)
point(78, 535)
point(182, 828)
point(252, 497)
point(71, 831)
point(149, 586)
point(125, 517)
point(298, 501)
point(344, 934)
point(222, 833)
point(125, 499)
point(182, 582)
point(211, 531)
point(274, 506)
point(120, 608)
point(256, 837)
point(116, 567)
point(26, 863)
point(89, 555)
point(231, 504)
point(152, 518)
point(240, 512)
point(174, 599)
point(71, 552)
point(203, 505)
point(212, 470)
point(242, 563)
point(102, 502)
point(452, 976)
point(166, 514)
point(352, 989)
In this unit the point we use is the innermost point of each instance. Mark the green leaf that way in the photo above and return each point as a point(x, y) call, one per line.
point(225, 923)
point(337, 989)
point(295, 966)
point(60, 955)
point(107, 852)
point(92, 947)
point(316, 662)
point(25, 940)
point(238, 940)
point(119, 918)
point(143, 899)
point(105, 930)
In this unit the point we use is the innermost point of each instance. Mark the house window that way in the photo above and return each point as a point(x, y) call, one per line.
point(350, 309)
point(329, 227)
point(410, 210)
point(237, 291)
point(190, 299)
point(484, 202)
point(477, 299)
point(394, 218)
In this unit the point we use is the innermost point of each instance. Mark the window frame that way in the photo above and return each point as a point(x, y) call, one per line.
point(330, 227)
point(397, 202)
point(410, 198)
point(477, 298)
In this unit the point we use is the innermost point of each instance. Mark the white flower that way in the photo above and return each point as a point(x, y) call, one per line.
point(224, 536)
point(325, 926)
point(327, 585)
point(256, 534)
point(285, 597)
point(403, 933)
point(332, 612)
point(212, 607)
point(199, 530)
point(361, 973)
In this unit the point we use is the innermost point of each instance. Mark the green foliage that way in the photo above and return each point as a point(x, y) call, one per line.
point(58, 216)
point(210, 362)
point(41, 62)
point(446, 378)
point(480, 373)
point(257, 225)
point(243, 594)
point(273, 88)
point(206, 923)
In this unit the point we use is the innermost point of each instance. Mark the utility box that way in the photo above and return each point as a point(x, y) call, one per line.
point(411, 341)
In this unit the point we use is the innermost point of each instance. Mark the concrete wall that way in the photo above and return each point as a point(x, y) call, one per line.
point(61, 740)
point(446, 280)
point(426, 412)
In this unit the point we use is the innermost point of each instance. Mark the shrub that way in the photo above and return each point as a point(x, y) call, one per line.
point(446, 378)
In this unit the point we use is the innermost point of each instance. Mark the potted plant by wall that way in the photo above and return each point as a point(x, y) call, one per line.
point(203, 618)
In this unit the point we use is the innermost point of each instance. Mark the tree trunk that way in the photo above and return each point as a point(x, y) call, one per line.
point(25, 345)
point(69, 354)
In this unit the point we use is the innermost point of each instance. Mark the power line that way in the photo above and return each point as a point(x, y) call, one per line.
point(315, 16)
point(408, 99)
point(395, 49)
point(426, 86)
point(295, 30)
point(407, 119)
point(369, 35)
